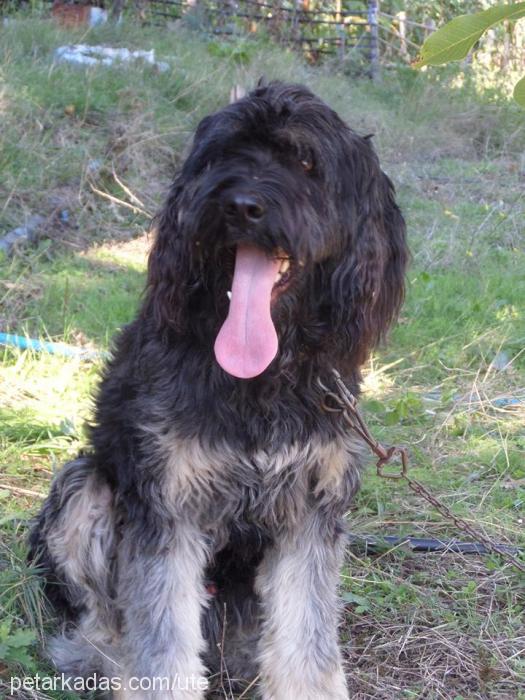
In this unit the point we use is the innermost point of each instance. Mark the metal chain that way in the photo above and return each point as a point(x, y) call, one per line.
point(344, 402)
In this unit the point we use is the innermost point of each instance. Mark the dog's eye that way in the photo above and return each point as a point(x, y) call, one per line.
point(307, 164)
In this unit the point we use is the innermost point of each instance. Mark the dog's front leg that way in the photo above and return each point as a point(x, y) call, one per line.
point(297, 582)
point(161, 595)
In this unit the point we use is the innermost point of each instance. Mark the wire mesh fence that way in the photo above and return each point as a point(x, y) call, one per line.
point(323, 30)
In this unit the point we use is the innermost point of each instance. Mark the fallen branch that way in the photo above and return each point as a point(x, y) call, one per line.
point(22, 492)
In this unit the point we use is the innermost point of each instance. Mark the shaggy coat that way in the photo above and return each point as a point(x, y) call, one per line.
point(202, 533)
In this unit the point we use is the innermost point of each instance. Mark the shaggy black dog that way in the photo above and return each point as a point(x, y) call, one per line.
point(202, 534)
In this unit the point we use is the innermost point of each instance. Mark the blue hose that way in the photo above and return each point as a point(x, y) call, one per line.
point(19, 341)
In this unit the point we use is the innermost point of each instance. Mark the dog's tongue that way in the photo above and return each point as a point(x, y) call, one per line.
point(247, 341)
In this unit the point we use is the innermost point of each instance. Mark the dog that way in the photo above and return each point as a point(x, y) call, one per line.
point(201, 535)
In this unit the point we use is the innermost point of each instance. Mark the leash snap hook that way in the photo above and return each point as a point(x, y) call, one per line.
point(331, 402)
point(387, 458)
point(336, 407)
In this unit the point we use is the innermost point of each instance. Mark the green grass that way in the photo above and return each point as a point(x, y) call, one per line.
point(86, 297)
point(102, 144)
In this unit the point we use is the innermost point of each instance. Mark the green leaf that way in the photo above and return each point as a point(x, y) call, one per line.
point(359, 600)
point(453, 41)
point(5, 628)
point(20, 656)
point(519, 92)
point(393, 417)
point(16, 515)
point(21, 638)
point(374, 406)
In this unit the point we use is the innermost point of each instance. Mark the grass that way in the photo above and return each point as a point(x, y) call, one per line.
point(102, 145)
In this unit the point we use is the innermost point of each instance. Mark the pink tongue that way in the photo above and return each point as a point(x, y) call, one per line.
point(247, 341)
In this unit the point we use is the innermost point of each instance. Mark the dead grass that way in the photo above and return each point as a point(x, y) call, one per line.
point(427, 655)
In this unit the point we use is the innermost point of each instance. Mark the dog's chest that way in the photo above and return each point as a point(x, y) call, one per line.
point(220, 483)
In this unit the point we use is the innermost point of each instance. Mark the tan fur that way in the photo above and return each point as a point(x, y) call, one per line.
point(333, 459)
point(299, 654)
point(191, 467)
point(84, 532)
point(81, 543)
point(172, 603)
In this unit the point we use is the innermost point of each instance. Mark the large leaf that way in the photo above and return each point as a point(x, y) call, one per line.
point(21, 638)
point(519, 92)
point(453, 41)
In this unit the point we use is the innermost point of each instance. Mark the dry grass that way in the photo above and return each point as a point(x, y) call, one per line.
point(430, 654)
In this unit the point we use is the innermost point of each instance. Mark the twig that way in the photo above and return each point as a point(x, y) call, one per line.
point(126, 189)
point(116, 200)
point(255, 680)
point(22, 492)
point(224, 668)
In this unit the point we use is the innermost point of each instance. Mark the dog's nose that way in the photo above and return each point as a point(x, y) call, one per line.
point(244, 208)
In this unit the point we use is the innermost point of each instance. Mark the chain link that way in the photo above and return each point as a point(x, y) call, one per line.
point(344, 402)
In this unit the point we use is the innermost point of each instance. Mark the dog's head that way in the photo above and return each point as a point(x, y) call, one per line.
point(280, 238)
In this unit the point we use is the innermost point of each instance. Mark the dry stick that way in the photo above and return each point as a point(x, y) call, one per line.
point(96, 647)
point(223, 667)
point(255, 680)
point(22, 492)
point(116, 200)
point(126, 189)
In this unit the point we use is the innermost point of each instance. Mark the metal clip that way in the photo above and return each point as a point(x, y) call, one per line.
point(384, 461)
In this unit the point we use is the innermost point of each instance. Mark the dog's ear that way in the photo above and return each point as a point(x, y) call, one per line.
point(367, 286)
point(168, 266)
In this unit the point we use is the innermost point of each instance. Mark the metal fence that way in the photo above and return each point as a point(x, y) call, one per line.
point(324, 30)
